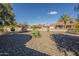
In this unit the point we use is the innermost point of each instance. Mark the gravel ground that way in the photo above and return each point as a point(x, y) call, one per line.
point(13, 44)
point(67, 43)
point(23, 44)
point(44, 44)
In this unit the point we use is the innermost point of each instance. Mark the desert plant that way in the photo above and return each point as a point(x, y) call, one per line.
point(12, 29)
point(76, 26)
point(48, 29)
point(36, 33)
point(1, 30)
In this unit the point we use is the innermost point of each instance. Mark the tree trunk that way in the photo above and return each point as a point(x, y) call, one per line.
point(65, 24)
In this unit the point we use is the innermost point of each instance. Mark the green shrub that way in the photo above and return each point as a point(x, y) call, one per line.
point(1, 30)
point(48, 29)
point(76, 27)
point(36, 34)
point(12, 29)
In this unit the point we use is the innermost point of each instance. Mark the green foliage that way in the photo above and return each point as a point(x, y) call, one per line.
point(6, 14)
point(12, 29)
point(48, 29)
point(1, 30)
point(76, 26)
point(7, 17)
point(36, 33)
point(35, 27)
point(64, 18)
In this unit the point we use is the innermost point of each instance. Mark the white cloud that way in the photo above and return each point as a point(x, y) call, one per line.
point(52, 12)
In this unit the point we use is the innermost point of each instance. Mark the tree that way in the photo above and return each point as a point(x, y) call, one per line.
point(7, 17)
point(6, 14)
point(64, 18)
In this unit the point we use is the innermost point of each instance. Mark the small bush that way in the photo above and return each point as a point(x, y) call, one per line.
point(12, 29)
point(76, 27)
point(36, 34)
point(1, 30)
point(48, 29)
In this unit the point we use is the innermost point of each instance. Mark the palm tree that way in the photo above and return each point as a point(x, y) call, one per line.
point(64, 18)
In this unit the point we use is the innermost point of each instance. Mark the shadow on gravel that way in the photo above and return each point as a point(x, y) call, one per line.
point(14, 45)
point(67, 43)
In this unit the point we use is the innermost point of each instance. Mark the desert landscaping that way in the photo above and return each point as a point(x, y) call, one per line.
point(39, 30)
point(49, 44)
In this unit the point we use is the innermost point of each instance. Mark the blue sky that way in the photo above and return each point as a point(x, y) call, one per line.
point(42, 13)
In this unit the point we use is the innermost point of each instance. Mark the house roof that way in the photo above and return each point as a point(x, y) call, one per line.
point(62, 23)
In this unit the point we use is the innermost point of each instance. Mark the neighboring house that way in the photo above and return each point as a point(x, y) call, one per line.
point(60, 25)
